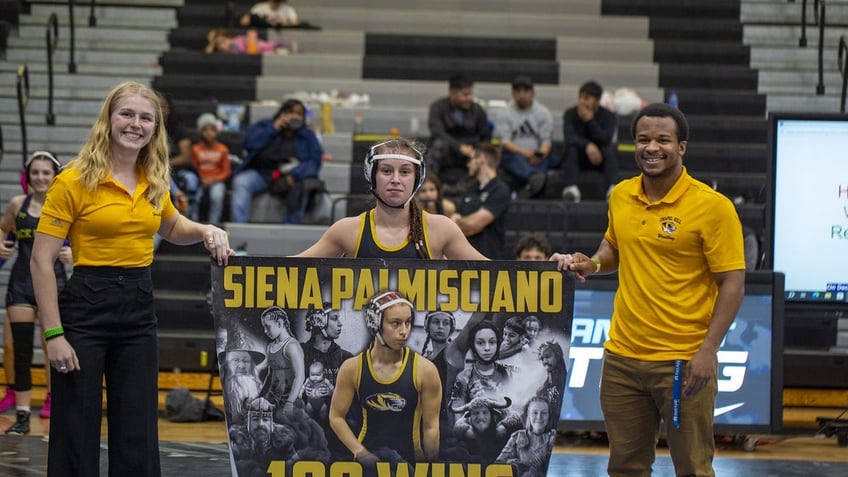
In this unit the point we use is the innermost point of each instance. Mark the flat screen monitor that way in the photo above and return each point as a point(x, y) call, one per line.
point(750, 371)
point(807, 212)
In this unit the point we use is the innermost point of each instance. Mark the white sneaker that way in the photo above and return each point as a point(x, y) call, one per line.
point(571, 194)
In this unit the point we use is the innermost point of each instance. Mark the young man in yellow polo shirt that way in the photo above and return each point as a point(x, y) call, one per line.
point(677, 246)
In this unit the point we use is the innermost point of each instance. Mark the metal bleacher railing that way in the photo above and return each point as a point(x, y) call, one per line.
point(842, 56)
point(22, 84)
point(819, 16)
point(52, 41)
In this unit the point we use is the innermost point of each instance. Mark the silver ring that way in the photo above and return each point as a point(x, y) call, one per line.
point(63, 368)
point(210, 240)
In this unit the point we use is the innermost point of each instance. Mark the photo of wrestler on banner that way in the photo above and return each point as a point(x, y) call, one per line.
point(481, 353)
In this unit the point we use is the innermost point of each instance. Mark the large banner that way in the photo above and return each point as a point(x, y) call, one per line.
point(497, 332)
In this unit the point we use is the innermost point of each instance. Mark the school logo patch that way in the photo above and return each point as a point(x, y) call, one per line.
point(392, 402)
point(668, 227)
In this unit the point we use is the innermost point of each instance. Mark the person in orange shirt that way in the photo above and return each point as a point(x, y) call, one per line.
point(212, 162)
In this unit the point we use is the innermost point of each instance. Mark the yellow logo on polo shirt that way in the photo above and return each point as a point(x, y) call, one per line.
point(668, 226)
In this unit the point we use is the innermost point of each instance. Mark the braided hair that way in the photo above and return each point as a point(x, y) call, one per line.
point(416, 231)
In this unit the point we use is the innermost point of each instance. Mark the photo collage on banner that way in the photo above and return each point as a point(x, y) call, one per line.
point(497, 333)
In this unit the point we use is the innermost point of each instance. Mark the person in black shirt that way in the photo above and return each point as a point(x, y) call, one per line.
point(589, 131)
point(480, 215)
point(456, 124)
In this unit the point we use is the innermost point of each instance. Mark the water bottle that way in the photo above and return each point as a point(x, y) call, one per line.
point(233, 122)
point(413, 127)
point(252, 38)
point(307, 116)
point(10, 237)
point(357, 122)
point(327, 126)
point(672, 98)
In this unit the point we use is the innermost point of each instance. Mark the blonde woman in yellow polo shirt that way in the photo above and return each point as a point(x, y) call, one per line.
point(109, 202)
point(677, 246)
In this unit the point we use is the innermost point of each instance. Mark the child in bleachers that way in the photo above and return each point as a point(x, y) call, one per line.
point(270, 14)
point(533, 246)
point(221, 40)
point(429, 197)
point(212, 161)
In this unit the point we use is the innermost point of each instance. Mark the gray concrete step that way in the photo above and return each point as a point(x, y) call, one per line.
point(800, 81)
point(65, 81)
point(116, 59)
point(419, 94)
point(107, 16)
point(128, 3)
point(90, 45)
point(796, 102)
point(486, 23)
point(155, 34)
point(788, 58)
point(781, 12)
point(267, 239)
point(606, 48)
point(450, 7)
point(788, 35)
point(316, 65)
point(61, 66)
point(38, 106)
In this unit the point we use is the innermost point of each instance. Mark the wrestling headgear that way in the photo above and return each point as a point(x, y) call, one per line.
point(439, 313)
point(57, 166)
point(373, 157)
point(375, 308)
point(317, 318)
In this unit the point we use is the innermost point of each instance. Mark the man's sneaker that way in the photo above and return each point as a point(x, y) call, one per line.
point(21, 426)
point(8, 401)
point(45, 411)
point(571, 194)
point(536, 183)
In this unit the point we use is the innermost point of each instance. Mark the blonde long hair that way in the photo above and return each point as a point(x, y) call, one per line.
point(94, 158)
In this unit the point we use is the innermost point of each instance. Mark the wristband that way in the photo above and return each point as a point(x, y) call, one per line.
point(53, 333)
point(597, 265)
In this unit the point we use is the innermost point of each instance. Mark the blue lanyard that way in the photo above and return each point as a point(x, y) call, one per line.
point(675, 393)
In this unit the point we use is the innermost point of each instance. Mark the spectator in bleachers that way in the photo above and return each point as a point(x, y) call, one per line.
point(270, 14)
point(525, 134)
point(480, 214)
point(429, 197)
point(456, 125)
point(184, 180)
point(212, 161)
point(221, 40)
point(534, 246)
point(281, 153)
point(21, 219)
point(395, 228)
point(589, 131)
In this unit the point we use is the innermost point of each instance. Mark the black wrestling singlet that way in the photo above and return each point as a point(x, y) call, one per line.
point(367, 245)
point(392, 417)
point(20, 290)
